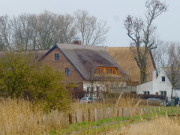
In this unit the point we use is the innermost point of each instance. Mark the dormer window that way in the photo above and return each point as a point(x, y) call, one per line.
point(56, 56)
point(106, 71)
point(109, 71)
point(163, 78)
point(114, 71)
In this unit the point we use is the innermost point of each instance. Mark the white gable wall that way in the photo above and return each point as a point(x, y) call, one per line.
point(157, 85)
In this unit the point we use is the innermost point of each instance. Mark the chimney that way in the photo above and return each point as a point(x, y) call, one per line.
point(77, 42)
point(154, 74)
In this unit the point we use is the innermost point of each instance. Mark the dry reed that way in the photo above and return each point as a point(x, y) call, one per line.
point(159, 126)
point(19, 117)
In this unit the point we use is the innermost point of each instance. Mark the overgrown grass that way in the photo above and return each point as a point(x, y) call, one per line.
point(106, 125)
point(22, 117)
point(19, 117)
point(158, 126)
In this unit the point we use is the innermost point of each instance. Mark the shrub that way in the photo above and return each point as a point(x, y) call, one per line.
point(14, 71)
point(47, 88)
point(21, 77)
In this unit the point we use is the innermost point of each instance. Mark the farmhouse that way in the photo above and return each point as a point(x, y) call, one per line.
point(125, 59)
point(95, 68)
point(160, 85)
point(88, 68)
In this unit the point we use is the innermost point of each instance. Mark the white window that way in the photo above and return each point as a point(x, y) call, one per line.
point(146, 92)
point(164, 93)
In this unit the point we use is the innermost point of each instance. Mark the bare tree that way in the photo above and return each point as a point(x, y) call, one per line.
point(90, 29)
point(31, 31)
point(142, 34)
point(45, 30)
point(160, 55)
point(65, 29)
point(22, 31)
point(172, 68)
point(5, 33)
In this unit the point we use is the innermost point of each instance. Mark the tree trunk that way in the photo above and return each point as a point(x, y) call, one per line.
point(172, 96)
point(143, 75)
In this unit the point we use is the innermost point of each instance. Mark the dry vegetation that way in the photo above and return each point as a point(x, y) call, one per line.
point(22, 117)
point(159, 126)
point(19, 117)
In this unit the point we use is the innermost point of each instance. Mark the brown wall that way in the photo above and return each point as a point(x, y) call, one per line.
point(61, 64)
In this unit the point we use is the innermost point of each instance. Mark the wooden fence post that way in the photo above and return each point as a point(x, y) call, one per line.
point(172, 110)
point(76, 117)
point(118, 112)
point(176, 110)
point(108, 112)
point(83, 116)
point(141, 111)
point(122, 111)
point(95, 114)
point(89, 115)
point(70, 118)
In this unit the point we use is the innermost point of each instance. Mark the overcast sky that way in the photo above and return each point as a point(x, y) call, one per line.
point(111, 11)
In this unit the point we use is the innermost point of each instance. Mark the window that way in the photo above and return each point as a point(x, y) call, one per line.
point(109, 71)
point(56, 56)
point(106, 70)
point(100, 70)
point(163, 93)
point(146, 92)
point(67, 71)
point(163, 78)
point(75, 88)
point(114, 71)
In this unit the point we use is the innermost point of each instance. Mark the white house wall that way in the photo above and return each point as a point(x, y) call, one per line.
point(87, 84)
point(162, 86)
point(156, 86)
point(176, 93)
point(144, 87)
point(102, 85)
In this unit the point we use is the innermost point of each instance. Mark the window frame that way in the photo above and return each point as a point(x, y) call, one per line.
point(67, 71)
point(57, 56)
point(75, 88)
point(146, 92)
point(107, 71)
point(164, 93)
point(163, 78)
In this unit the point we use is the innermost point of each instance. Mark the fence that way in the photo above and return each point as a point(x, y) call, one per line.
point(111, 112)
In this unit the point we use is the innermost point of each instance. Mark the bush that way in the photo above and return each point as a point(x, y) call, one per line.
point(47, 88)
point(21, 77)
point(14, 74)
